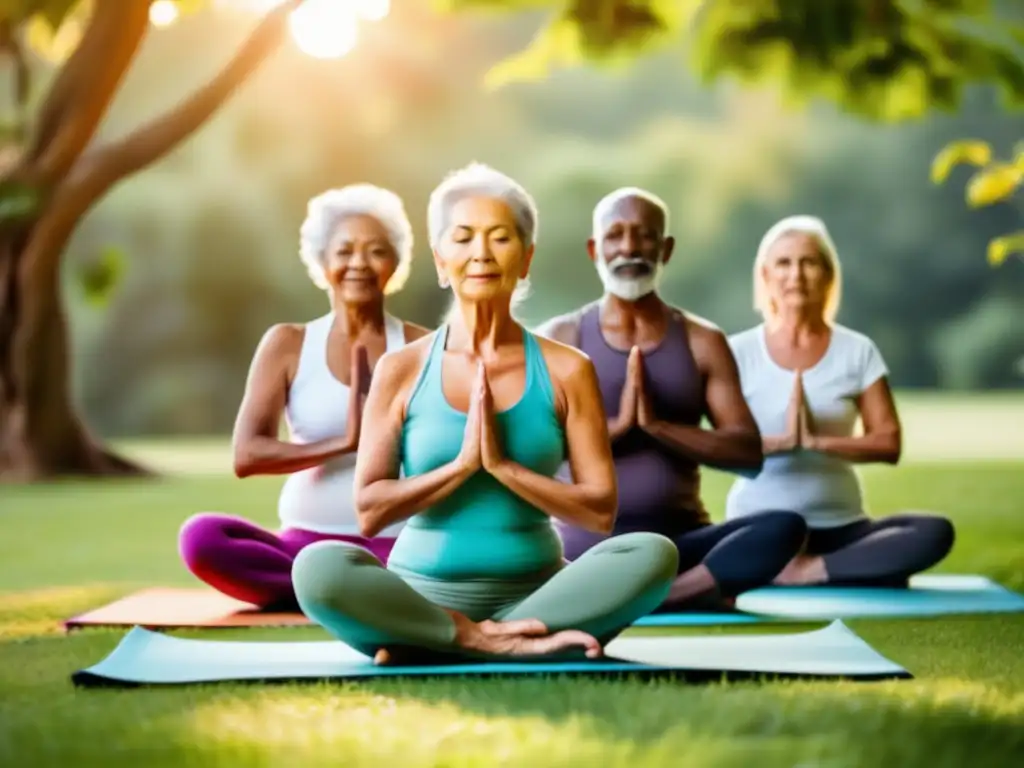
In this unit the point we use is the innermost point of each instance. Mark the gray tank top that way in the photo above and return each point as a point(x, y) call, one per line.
point(658, 490)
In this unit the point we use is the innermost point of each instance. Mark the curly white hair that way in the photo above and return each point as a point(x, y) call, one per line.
point(327, 210)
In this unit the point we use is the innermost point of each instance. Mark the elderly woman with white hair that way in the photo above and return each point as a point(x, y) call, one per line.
point(356, 244)
point(807, 380)
point(479, 417)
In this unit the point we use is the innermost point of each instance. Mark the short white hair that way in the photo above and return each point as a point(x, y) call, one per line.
point(480, 180)
point(326, 211)
point(609, 201)
point(814, 228)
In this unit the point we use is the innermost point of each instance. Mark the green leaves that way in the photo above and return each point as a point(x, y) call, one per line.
point(97, 278)
point(53, 12)
point(605, 33)
point(885, 60)
point(18, 202)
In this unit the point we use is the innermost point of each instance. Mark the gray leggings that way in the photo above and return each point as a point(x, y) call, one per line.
point(884, 552)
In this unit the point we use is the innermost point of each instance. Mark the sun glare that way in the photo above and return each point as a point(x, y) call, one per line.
point(373, 10)
point(325, 29)
point(163, 13)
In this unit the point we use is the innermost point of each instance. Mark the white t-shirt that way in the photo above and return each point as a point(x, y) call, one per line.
point(825, 489)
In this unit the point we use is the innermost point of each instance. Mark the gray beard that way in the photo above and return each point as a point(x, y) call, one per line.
point(628, 288)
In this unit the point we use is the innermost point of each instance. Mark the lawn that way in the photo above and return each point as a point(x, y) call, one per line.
point(67, 547)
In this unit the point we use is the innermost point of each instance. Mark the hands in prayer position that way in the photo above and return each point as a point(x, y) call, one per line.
point(799, 426)
point(635, 409)
point(481, 447)
point(359, 386)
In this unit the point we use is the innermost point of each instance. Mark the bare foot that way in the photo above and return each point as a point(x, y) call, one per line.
point(525, 637)
point(802, 570)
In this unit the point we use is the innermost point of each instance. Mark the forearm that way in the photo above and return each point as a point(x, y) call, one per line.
point(616, 430)
point(728, 449)
point(386, 502)
point(772, 444)
point(269, 456)
point(588, 507)
point(880, 447)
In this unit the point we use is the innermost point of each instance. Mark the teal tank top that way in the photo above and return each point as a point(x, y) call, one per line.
point(482, 531)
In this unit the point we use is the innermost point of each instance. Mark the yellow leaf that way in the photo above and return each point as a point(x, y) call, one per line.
point(970, 152)
point(1000, 248)
point(55, 45)
point(993, 184)
point(558, 43)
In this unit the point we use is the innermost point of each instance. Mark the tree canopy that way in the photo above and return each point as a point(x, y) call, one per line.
point(885, 60)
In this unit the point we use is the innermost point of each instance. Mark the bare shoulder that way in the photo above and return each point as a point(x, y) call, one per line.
point(708, 342)
point(699, 328)
point(399, 367)
point(414, 331)
point(281, 342)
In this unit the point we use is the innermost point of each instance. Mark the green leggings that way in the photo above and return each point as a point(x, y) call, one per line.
point(347, 591)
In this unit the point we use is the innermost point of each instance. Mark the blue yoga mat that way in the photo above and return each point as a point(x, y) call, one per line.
point(144, 657)
point(928, 595)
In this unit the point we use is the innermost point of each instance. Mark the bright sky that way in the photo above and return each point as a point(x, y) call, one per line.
point(325, 29)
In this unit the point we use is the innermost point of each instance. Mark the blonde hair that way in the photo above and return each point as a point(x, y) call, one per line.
point(814, 228)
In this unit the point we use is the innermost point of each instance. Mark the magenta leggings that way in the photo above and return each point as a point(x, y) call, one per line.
point(250, 563)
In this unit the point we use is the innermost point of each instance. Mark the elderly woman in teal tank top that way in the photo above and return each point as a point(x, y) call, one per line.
point(464, 431)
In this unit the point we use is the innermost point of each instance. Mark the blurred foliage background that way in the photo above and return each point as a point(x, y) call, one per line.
point(173, 278)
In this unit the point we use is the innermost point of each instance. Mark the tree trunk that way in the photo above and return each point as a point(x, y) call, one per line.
point(41, 435)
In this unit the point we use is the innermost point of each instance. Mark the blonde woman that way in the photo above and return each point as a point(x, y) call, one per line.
point(807, 380)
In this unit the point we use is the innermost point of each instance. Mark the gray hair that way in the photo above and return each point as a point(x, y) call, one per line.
point(479, 180)
point(326, 211)
point(609, 201)
point(814, 228)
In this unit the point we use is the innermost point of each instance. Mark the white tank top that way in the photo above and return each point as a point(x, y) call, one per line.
point(320, 498)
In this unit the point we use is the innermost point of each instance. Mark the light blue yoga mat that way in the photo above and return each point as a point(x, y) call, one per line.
point(144, 657)
point(928, 595)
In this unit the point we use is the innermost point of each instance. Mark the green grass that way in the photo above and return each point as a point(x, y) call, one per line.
point(68, 547)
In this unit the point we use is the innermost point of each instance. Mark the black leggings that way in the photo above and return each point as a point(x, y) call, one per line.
point(884, 552)
point(744, 553)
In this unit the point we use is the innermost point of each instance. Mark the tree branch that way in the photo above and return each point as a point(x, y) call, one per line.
point(117, 30)
point(108, 164)
point(75, 72)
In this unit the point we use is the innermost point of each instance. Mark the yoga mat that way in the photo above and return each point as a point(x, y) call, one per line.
point(170, 608)
point(928, 595)
point(180, 608)
point(144, 657)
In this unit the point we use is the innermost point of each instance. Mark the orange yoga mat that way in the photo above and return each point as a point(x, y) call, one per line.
point(179, 608)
